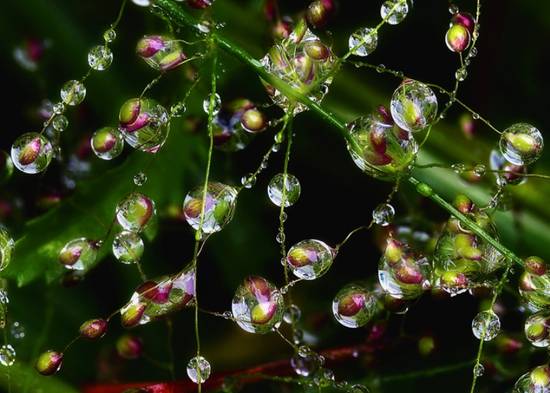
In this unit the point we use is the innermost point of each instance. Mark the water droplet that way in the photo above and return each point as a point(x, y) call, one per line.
point(143, 124)
point(140, 179)
point(58, 108)
point(292, 314)
point(306, 362)
point(458, 168)
point(198, 369)
point(478, 370)
point(486, 324)
point(372, 136)
point(480, 170)
point(100, 57)
point(280, 237)
point(7, 355)
point(17, 330)
point(402, 273)
point(78, 254)
point(178, 110)
point(257, 306)
point(219, 206)
point(107, 143)
point(310, 259)
point(109, 35)
point(31, 153)
point(135, 211)
point(60, 123)
point(217, 104)
point(142, 3)
point(461, 74)
point(453, 9)
point(354, 306)
point(398, 10)
point(512, 174)
point(284, 187)
point(128, 247)
point(73, 92)
point(363, 41)
point(248, 181)
point(413, 106)
point(383, 214)
point(521, 144)
point(160, 53)
point(475, 116)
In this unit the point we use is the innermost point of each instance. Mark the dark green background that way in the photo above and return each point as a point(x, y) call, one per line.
point(507, 83)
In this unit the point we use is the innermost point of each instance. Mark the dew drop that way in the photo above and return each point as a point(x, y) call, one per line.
point(363, 42)
point(140, 179)
point(73, 92)
point(383, 214)
point(100, 57)
point(394, 11)
point(7, 355)
point(217, 104)
point(486, 325)
point(198, 369)
point(285, 187)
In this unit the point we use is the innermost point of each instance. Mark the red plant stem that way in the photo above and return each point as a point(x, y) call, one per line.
point(280, 368)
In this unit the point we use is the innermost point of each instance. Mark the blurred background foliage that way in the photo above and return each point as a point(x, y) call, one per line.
point(507, 83)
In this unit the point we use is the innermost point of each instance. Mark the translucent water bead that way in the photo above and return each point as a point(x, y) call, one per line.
point(143, 123)
point(534, 284)
point(219, 206)
point(401, 273)
point(73, 92)
point(306, 362)
point(537, 329)
point(383, 214)
point(461, 258)
point(363, 41)
point(521, 144)
point(6, 248)
point(217, 104)
point(79, 254)
point(160, 52)
point(486, 325)
point(413, 106)
point(257, 306)
point(229, 131)
point(354, 306)
point(303, 62)
point(394, 12)
point(535, 381)
point(510, 173)
point(198, 369)
point(7, 355)
point(287, 184)
point(135, 211)
point(142, 3)
point(159, 297)
point(128, 247)
point(380, 148)
point(310, 259)
point(107, 143)
point(31, 153)
point(100, 57)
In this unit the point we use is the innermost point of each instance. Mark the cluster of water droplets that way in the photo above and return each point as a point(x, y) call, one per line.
point(303, 62)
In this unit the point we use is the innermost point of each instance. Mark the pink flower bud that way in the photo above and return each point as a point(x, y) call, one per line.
point(129, 347)
point(93, 329)
point(49, 362)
